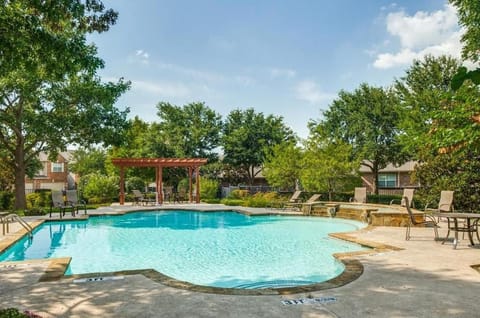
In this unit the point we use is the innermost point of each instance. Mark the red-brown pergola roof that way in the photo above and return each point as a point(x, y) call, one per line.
point(159, 162)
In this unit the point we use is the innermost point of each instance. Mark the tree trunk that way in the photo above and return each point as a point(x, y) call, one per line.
point(20, 200)
point(375, 177)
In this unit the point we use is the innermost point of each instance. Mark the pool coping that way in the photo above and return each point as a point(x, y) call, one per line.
point(353, 268)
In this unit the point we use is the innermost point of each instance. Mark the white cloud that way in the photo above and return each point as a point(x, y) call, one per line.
point(435, 33)
point(163, 89)
point(282, 72)
point(310, 91)
point(143, 56)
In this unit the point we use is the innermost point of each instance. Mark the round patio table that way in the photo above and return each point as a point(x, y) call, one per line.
point(470, 226)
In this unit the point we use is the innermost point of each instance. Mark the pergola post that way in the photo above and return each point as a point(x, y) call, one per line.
point(197, 183)
point(189, 184)
point(122, 186)
point(159, 184)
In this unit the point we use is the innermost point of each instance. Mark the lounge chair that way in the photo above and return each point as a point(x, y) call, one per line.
point(429, 221)
point(360, 195)
point(139, 198)
point(74, 202)
point(59, 202)
point(295, 198)
point(313, 199)
point(408, 193)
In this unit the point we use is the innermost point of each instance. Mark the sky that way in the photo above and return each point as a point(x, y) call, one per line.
point(288, 58)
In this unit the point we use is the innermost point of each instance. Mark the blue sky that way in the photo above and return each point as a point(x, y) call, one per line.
point(287, 58)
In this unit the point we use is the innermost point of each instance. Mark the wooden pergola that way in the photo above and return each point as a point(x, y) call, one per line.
point(192, 164)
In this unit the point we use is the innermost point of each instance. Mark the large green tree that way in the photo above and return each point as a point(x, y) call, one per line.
point(469, 18)
point(366, 119)
point(328, 167)
point(248, 136)
point(88, 160)
point(50, 95)
point(283, 165)
point(442, 128)
point(192, 130)
point(422, 91)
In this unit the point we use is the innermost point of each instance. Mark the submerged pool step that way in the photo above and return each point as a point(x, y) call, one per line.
point(275, 284)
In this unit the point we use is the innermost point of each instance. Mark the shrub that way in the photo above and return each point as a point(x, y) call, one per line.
point(100, 188)
point(6, 200)
point(33, 200)
point(211, 201)
point(15, 313)
point(232, 202)
point(238, 194)
point(261, 200)
point(133, 183)
point(35, 211)
point(208, 188)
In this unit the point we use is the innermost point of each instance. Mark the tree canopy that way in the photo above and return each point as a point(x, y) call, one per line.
point(283, 165)
point(366, 119)
point(190, 131)
point(50, 95)
point(248, 136)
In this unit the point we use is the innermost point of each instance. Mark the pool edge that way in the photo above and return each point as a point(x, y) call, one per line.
point(353, 269)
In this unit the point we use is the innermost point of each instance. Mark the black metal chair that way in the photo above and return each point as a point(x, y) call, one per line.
point(74, 202)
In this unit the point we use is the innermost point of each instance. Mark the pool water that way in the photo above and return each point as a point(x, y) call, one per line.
point(220, 249)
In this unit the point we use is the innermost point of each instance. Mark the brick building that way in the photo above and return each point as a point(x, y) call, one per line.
point(391, 180)
point(53, 175)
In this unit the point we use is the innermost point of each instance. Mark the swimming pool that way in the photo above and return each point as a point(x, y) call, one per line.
point(219, 249)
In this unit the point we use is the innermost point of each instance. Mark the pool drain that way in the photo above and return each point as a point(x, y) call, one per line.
point(97, 279)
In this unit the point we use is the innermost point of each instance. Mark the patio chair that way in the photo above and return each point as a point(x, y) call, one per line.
point(74, 202)
point(139, 198)
point(360, 195)
point(445, 204)
point(59, 202)
point(429, 221)
point(408, 193)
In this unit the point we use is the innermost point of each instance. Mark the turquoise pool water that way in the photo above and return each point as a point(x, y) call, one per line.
point(220, 249)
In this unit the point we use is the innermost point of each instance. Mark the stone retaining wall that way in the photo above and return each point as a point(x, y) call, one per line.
point(372, 215)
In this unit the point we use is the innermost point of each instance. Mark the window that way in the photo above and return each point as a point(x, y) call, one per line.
point(57, 166)
point(387, 180)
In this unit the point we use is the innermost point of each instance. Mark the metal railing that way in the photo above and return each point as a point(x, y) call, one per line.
point(12, 217)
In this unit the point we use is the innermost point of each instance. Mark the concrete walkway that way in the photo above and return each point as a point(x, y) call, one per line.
point(425, 279)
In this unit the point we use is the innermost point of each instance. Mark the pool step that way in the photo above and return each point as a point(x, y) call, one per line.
point(275, 284)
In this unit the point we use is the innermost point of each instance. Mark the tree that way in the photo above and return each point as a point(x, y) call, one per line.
point(367, 120)
point(442, 127)
point(421, 91)
point(283, 165)
point(191, 131)
point(469, 19)
point(86, 161)
point(248, 137)
point(50, 95)
point(328, 166)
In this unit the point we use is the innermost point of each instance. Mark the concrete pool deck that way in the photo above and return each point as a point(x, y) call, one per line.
point(423, 279)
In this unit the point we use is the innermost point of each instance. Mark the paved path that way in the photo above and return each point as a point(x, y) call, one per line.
point(425, 279)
